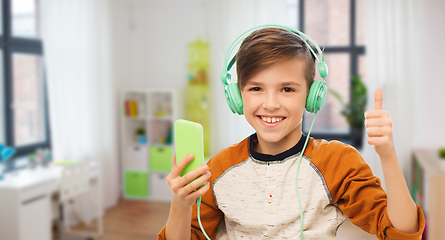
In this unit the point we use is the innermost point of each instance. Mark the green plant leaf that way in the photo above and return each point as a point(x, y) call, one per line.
point(354, 111)
point(336, 95)
point(442, 153)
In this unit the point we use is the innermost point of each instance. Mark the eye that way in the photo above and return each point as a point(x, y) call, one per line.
point(287, 89)
point(255, 89)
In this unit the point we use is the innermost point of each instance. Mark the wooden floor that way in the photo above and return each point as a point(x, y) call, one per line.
point(135, 220)
point(142, 220)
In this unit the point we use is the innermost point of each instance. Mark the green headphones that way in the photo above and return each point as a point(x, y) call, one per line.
point(317, 91)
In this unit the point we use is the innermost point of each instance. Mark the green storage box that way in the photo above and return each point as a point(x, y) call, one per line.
point(136, 184)
point(160, 158)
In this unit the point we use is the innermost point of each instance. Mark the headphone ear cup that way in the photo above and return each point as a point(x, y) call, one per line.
point(316, 97)
point(233, 98)
point(323, 69)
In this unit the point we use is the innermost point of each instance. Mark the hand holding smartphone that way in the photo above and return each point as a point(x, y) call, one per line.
point(188, 179)
point(189, 139)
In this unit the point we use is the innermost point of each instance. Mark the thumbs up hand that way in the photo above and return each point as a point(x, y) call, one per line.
point(379, 127)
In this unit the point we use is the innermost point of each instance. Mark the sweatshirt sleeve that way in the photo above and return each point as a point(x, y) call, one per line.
point(358, 193)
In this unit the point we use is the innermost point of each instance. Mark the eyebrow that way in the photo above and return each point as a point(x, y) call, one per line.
point(290, 83)
point(254, 83)
point(282, 84)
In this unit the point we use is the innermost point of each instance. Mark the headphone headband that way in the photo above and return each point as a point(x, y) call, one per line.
point(322, 67)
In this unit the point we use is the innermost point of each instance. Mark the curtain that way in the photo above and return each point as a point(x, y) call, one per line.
point(81, 89)
point(393, 59)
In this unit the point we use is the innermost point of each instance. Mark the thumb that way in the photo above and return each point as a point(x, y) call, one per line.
point(378, 99)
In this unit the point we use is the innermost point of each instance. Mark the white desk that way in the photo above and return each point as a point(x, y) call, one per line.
point(25, 202)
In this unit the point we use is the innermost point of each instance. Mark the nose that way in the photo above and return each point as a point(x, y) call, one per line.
point(271, 102)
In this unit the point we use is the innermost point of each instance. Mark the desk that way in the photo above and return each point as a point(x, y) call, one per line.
point(25, 202)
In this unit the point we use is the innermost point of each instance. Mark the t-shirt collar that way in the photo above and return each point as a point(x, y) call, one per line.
point(267, 157)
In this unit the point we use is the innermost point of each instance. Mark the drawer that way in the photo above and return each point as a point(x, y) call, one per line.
point(136, 184)
point(160, 158)
point(160, 190)
point(136, 157)
point(36, 191)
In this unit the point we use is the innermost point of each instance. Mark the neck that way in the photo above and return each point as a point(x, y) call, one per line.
point(274, 148)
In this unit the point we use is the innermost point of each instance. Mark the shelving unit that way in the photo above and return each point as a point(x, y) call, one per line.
point(428, 190)
point(147, 158)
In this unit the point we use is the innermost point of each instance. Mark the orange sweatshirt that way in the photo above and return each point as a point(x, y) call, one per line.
point(253, 195)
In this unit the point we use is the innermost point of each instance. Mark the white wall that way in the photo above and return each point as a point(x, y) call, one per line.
point(431, 96)
point(151, 41)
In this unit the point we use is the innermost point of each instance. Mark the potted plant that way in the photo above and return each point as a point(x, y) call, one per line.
point(354, 111)
point(140, 135)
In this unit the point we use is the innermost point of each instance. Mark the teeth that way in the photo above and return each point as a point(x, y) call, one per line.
point(271, 120)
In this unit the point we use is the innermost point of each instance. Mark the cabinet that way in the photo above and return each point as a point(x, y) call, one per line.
point(147, 142)
point(428, 190)
point(25, 207)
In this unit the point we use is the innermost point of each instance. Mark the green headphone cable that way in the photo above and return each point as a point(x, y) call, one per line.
point(296, 178)
point(198, 202)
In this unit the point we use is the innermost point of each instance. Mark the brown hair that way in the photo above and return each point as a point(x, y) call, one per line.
point(269, 46)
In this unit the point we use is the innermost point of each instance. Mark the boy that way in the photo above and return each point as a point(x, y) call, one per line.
point(253, 193)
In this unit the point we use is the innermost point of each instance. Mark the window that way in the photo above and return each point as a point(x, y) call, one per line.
point(24, 123)
point(25, 18)
point(338, 27)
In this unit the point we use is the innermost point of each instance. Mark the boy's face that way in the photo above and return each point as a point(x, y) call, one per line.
point(273, 102)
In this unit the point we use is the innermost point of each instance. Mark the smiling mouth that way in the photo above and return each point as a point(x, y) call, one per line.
point(269, 119)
